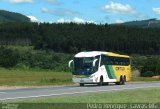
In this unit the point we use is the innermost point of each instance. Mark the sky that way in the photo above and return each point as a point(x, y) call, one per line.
point(81, 11)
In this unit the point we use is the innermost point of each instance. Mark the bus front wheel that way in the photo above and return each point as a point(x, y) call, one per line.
point(101, 82)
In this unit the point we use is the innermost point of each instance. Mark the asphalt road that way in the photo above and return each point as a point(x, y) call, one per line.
point(9, 94)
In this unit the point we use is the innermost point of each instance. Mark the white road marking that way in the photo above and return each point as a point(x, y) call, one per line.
point(75, 93)
point(2, 92)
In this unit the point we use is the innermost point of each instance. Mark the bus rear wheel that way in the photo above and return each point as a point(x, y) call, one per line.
point(81, 84)
point(121, 82)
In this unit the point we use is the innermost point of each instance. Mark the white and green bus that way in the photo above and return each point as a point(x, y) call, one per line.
point(100, 68)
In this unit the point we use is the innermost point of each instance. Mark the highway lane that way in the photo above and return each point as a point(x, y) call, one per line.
point(10, 94)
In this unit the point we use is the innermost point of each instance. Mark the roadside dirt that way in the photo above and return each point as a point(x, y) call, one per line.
point(22, 87)
point(158, 77)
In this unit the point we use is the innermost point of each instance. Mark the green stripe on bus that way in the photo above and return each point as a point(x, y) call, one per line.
point(110, 72)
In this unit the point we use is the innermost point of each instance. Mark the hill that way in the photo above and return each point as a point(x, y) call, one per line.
point(150, 23)
point(6, 16)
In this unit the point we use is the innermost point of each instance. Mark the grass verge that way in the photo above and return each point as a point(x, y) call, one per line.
point(39, 77)
point(144, 79)
point(33, 77)
point(129, 98)
point(149, 95)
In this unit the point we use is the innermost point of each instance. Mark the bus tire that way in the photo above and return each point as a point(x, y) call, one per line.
point(122, 81)
point(81, 84)
point(106, 84)
point(125, 78)
point(117, 83)
point(101, 81)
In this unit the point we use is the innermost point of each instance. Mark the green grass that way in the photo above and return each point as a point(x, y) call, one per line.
point(33, 77)
point(39, 77)
point(81, 101)
point(150, 95)
point(144, 79)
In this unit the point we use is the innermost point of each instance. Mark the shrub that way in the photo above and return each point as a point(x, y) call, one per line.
point(8, 57)
point(44, 60)
point(29, 58)
point(158, 68)
point(151, 67)
point(147, 74)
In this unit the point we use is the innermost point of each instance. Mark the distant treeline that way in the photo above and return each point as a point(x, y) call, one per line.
point(72, 38)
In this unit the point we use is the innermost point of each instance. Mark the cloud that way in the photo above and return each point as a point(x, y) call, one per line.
point(75, 20)
point(156, 10)
point(113, 7)
point(54, 2)
point(33, 18)
point(60, 12)
point(62, 20)
point(119, 21)
point(78, 20)
point(123, 9)
point(45, 10)
point(20, 1)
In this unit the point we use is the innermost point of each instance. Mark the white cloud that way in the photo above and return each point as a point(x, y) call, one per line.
point(75, 20)
point(21, 1)
point(78, 20)
point(45, 10)
point(156, 10)
point(119, 8)
point(119, 21)
point(62, 20)
point(60, 12)
point(33, 18)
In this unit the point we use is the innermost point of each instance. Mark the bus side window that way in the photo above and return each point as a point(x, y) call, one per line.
point(127, 61)
point(111, 60)
point(117, 61)
point(107, 60)
point(103, 60)
point(120, 61)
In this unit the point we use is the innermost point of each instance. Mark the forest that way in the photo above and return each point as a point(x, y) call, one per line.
point(72, 38)
point(51, 46)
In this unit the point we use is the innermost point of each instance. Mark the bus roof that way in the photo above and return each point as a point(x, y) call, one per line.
point(117, 55)
point(96, 53)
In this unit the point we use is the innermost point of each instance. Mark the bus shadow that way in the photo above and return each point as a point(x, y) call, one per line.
point(96, 85)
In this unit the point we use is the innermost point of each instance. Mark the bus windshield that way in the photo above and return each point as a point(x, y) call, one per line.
point(83, 65)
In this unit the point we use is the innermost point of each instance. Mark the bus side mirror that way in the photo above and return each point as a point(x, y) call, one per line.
point(70, 62)
point(94, 62)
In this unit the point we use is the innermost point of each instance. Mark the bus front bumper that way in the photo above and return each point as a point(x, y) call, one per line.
point(83, 80)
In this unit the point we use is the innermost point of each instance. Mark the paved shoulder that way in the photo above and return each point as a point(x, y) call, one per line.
point(68, 90)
